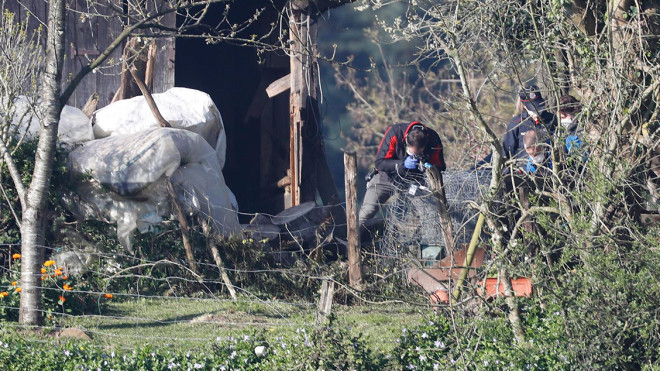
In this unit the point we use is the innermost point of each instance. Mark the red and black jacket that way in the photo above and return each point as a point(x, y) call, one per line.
point(392, 149)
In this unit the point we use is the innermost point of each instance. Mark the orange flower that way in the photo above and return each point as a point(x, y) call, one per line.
point(18, 289)
point(16, 256)
point(43, 278)
point(66, 287)
point(3, 294)
point(58, 273)
point(14, 283)
point(48, 263)
point(64, 277)
point(62, 299)
point(108, 296)
point(43, 270)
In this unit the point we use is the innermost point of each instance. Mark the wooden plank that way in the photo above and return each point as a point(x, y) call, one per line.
point(165, 58)
point(83, 49)
point(350, 182)
point(69, 67)
point(279, 86)
point(150, 69)
point(109, 26)
point(14, 8)
point(325, 301)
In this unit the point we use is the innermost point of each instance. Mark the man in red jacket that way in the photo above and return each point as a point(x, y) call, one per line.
point(404, 148)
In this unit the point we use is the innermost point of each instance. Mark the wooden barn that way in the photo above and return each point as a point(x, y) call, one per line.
point(275, 151)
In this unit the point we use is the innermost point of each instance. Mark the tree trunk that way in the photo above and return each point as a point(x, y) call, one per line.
point(30, 313)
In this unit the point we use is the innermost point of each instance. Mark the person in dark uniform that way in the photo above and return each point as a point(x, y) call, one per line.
point(401, 150)
point(534, 117)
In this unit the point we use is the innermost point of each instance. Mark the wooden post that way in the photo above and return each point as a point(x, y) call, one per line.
point(353, 236)
point(300, 68)
point(325, 301)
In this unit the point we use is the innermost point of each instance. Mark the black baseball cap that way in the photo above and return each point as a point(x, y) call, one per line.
point(531, 97)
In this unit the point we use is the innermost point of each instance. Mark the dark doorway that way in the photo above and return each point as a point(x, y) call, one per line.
point(233, 75)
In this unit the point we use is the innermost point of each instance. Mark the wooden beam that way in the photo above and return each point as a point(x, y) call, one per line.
point(279, 86)
point(150, 101)
point(350, 182)
point(299, 62)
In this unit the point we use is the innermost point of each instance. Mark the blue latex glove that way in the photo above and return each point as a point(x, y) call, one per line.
point(428, 165)
point(410, 163)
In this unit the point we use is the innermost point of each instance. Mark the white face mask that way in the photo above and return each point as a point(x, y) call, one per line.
point(567, 122)
point(538, 158)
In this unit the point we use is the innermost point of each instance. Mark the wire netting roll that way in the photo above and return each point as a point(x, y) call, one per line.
point(412, 220)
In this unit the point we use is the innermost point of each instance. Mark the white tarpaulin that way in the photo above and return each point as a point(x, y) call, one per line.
point(188, 109)
point(134, 168)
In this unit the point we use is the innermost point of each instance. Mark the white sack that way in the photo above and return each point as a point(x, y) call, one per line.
point(74, 127)
point(133, 167)
point(183, 108)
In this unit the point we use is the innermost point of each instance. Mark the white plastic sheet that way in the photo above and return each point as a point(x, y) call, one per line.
point(183, 108)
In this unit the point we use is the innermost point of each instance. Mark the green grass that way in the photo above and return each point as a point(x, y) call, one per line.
point(186, 323)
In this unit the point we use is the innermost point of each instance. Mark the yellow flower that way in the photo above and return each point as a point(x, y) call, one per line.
point(18, 289)
point(48, 263)
point(43, 270)
point(108, 296)
point(14, 283)
point(3, 294)
point(66, 287)
point(16, 256)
